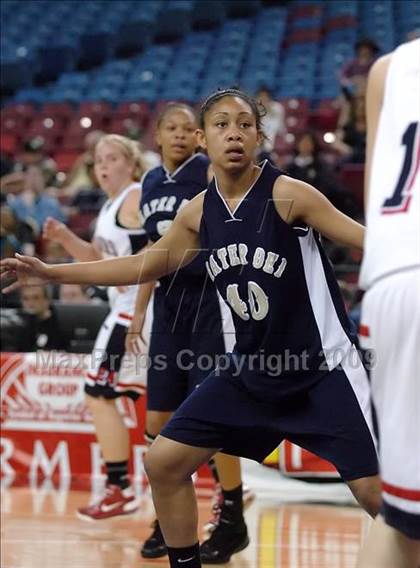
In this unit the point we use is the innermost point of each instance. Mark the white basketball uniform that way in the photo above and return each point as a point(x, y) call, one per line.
point(391, 274)
point(112, 373)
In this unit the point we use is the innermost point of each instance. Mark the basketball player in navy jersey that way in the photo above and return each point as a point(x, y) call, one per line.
point(294, 372)
point(118, 167)
point(187, 318)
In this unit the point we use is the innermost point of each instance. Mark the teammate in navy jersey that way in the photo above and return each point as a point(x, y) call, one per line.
point(294, 372)
point(188, 323)
point(118, 167)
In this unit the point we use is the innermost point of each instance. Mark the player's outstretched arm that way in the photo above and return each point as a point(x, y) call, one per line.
point(299, 201)
point(174, 250)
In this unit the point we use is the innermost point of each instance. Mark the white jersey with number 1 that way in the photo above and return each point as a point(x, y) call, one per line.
point(392, 242)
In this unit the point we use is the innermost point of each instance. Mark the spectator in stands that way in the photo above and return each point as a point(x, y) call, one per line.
point(33, 205)
point(34, 155)
point(354, 73)
point(273, 121)
point(308, 166)
point(82, 176)
point(15, 235)
point(81, 185)
point(41, 329)
point(73, 294)
point(350, 139)
point(6, 164)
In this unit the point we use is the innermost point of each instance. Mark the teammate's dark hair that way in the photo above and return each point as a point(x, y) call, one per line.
point(258, 109)
point(171, 107)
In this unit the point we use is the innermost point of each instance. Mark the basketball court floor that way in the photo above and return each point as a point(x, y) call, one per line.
point(291, 525)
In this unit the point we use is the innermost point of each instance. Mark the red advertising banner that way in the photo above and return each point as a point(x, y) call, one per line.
point(47, 430)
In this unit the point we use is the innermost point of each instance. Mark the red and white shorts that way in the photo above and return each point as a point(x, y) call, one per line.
point(390, 326)
point(112, 372)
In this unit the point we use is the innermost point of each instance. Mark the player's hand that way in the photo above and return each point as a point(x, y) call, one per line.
point(22, 268)
point(134, 340)
point(54, 230)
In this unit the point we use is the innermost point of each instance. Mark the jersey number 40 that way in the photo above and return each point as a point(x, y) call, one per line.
point(257, 301)
point(399, 202)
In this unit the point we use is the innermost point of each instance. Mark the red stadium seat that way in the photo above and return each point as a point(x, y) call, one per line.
point(128, 109)
point(295, 107)
point(325, 117)
point(8, 143)
point(65, 159)
point(23, 110)
point(13, 124)
point(74, 141)
point(296, 124)
point(98, 109)
point(75, 126)
point(97, 122)
point(304, 36)
point(351, 178)
point(341, 22)
point(44, 125)
point(307, 11)
point(139, 112)
point(58, 110)
point(80, 223)
point(284, 145)
point(125, 125)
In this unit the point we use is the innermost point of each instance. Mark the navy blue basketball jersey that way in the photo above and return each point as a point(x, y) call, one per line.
point(164, 194)
point(290, 321)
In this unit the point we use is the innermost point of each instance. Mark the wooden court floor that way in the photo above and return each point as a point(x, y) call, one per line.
point(40, 530)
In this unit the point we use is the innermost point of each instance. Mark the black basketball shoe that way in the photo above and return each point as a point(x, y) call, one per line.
point(154, 546)
point(227, 538)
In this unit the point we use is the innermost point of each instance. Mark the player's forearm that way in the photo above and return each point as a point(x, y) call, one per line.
point(123, 271)
point(79, 249)
point(345, 231)
point(143, 297)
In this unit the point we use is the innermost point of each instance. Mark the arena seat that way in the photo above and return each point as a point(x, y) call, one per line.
point(23, 110)
point(208, 14)
point(8, 143)
point(134, 35)
point(174, 21)
point(15, 74)
point(43, 122)
point(57, 110)
point(54, 60)
point(96, 47)
point(351, 178)
point(65, 159)
point(73, 142)
point(242, 8)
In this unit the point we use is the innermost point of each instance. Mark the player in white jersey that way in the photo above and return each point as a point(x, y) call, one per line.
point(118, 232)
point(391, 306)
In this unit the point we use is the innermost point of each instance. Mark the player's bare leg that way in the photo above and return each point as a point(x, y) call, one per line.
point(229, 502)
point(154, 545)
point(114, 441)
point(385, 547)
point(367, 491)
point(229, 470)
point(112, 433)
point(169, 466)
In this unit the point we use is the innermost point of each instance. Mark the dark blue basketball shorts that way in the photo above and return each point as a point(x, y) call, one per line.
point(331, 419)
point(187, 336)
